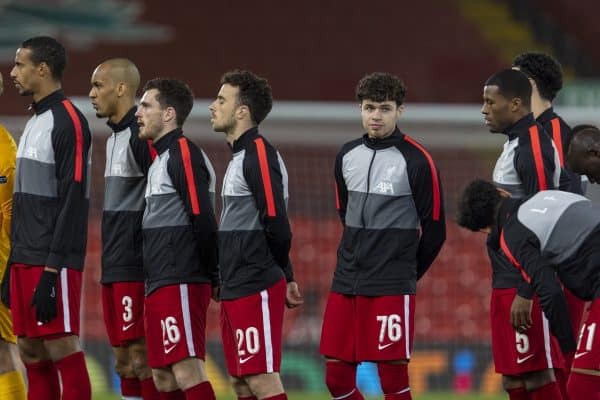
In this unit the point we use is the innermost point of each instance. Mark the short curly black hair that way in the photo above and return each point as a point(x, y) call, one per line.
point(380, 87)
point(255, 92)
point(478, 205)
point(544, 69)
point(46, 49)
point(173, 93)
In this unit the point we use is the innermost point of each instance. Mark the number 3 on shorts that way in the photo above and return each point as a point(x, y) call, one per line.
point(392, 324)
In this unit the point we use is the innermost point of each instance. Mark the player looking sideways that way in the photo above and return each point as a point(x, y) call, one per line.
point(528, 163)
point(49, 226)
point(180, 244)
point(114, 84)
point(254, 240)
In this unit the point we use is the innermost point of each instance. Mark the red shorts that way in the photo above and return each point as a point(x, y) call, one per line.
point(251, 329)
point(175, 323)
point(23, 281)
point(123, 306)
point(518, 353)
point(587, 355)
point(361, 328)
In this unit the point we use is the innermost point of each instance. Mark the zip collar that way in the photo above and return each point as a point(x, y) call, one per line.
point(47, 102)
point(125, 122)
point(243, 141)
point(519, 127)
point(546, 116)
point(374, 143)
point(165, 142)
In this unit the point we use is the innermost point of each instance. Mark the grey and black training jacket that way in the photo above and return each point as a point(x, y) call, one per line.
point(51, 194)
point(254, 233)
point(529, 163)
point(179, 226)
point(128, 159)
point(556, 232)
point(389, 197)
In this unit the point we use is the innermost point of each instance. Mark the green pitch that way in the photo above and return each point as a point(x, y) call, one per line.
point(313, 396)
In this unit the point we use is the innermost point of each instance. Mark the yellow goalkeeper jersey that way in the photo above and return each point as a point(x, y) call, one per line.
point(8, 155)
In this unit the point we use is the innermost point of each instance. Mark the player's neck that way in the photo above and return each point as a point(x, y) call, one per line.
point(122, 111)
point(539, 105)
point(46, 89)
point(238, 130)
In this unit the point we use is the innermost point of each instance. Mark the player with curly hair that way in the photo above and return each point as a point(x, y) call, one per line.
point(389, 198)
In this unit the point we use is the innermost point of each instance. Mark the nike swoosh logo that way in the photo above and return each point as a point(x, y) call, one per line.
point(380, 347)
point(577, 355)
point(128, 326)
point(522, 360)
point(168, 350)
point(244, 360)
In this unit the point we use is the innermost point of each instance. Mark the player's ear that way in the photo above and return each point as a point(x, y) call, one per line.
point(515, 104)
point(400, 110)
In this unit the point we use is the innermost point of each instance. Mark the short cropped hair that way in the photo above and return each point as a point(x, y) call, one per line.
point(45, 49)
point(173, 93)
point(254, 92)
point(512, 84)
point(380, 87)
point(478, 205)
point(544, 69)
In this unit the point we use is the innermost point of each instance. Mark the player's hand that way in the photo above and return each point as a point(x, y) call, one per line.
point(216, 293)
point(293, 298)
point(520, 314)
point(44, 297)
point(5, 287)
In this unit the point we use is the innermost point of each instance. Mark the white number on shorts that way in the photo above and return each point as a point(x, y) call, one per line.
point(170, 330)
point(127, 304)
point(591, 328)
point(251, 338)
point(391, 324)
point(522, 342)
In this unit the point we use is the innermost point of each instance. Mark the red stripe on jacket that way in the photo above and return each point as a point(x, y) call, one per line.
point(557, 138)
point(536, 146)
point(151, 149)
point(512, 258)
point(337, 198)
point(189, 175)
point(437, 198)
point(78, 174)
point(266, 176)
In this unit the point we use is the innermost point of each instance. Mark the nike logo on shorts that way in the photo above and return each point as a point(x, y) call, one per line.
point(381, 347)
point(522, 360)
point(577, 355)
point(244, 360)
point(168, 350)
point(125, 327)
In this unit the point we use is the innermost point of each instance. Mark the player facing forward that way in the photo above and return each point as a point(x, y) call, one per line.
point(549, 234)
point(254, 240)
point(180, 244)
point(49, 226)
point(114, 85)
point(528, 163)
point(389, 197)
